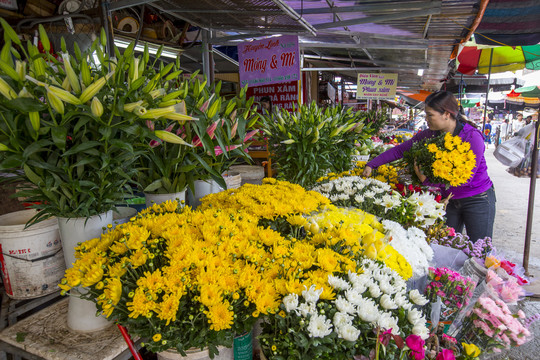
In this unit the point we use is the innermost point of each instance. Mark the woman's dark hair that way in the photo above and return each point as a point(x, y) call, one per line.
point(443, 101)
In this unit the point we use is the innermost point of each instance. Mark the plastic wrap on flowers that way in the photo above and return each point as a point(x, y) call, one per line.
point(448, 257)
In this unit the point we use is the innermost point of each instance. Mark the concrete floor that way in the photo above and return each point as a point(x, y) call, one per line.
point(509, 236)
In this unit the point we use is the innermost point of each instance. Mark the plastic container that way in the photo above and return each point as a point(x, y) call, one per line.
point(197, 354)
point(32, 260)
point(251, 174)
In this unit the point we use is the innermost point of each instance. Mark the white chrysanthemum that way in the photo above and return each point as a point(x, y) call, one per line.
point(348, 332)
point(311, 295)
point(338, 283)
point(344, 306)
point(417, 298)
point(387, 321)
point(353, 296)
point(341, 319)
point(319, 326)
point(414, 316)
point(421, 330)
point(386, 287)
point(291, 302)
point(375, 291)
point(387, 302)
point(401, 300)
point(368, 311)
point(306, 309)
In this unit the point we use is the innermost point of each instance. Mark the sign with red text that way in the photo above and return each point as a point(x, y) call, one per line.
point(269, 61)
point(282, 95)
point(376, 86)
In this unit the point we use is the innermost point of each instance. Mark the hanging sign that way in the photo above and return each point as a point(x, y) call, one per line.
point(283, 95)
point(377, 86)
point(269, 61)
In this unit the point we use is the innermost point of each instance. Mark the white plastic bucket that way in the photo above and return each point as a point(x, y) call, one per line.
point(160, 198)
point(32, 260)
point(123, 214)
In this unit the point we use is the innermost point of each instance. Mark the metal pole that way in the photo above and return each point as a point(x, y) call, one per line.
point(532, 189)
point(487, 91)
point(208, 67)
point(460, 88)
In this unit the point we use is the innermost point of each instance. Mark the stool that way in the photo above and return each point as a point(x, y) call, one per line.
point(46, 336)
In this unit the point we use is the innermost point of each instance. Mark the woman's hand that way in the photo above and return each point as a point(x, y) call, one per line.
point(367, 171)
point(419, 173)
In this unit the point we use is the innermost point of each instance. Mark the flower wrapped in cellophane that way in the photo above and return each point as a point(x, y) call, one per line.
point(444, 159)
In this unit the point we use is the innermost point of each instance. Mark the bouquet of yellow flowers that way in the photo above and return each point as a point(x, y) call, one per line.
point(444, 159)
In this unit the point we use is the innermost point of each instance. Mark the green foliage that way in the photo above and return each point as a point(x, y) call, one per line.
point(311, 141)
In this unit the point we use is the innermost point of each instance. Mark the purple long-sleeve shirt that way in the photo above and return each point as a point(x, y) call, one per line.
point(478, 183)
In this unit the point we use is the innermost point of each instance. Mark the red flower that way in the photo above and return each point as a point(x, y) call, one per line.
point(438, 198)
point(446, 354)
point(416, 344)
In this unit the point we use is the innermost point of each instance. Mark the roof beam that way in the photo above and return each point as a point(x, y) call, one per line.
point(377, 19)
point(380, 6)
point(295, 16)
point(387, 46)
point(367, 61)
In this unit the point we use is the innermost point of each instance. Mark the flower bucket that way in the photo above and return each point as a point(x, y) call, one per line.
point(243, 347)
point(202, 188)
point(197, 354)
point(152, 199)
point(251, 174)
point(123, 214)
point(32, 260)
point(82, 313)
point(445, 325)
point(232, 179)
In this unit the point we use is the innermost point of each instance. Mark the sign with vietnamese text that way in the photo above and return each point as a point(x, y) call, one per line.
point(376, 86)
point(282, 95)
point(269, 61)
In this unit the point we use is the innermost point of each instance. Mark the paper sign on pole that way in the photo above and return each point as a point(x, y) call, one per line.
point(377, 86)
point(269, 61)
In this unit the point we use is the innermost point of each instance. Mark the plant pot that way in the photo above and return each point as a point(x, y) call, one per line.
point(32, 261)
point(123, 214)
point(82, 313)
point(202, 188)
point(232, 179)
point(197, 354)
point(243, 346)
point(152, 199)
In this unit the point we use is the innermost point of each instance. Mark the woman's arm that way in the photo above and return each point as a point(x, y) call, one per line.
point(397, 151)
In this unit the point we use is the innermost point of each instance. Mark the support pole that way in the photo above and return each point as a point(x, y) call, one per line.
point(207, 59)
point(487, 91)
point(532, 189)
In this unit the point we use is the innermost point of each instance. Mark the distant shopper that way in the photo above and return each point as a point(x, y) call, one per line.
point(528, 120)
point(518, 123)
point(266, 104)
point(487, 132)
point(506, 130)
point(472, 205)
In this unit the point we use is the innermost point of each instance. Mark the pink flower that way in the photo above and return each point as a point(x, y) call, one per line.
point(446, 354)
point(233, 129)
point(219, 151)
point(521, 314)
point(416, 344)
point(212, 129)
point(150, 124)
point(250, 134)
point(154, 143)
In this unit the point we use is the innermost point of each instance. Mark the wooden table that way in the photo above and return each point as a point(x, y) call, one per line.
point(46, 336)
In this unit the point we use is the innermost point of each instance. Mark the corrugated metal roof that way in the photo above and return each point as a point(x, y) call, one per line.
point(388, 36)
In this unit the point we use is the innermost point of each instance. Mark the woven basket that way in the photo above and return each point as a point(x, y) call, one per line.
point(251, 174)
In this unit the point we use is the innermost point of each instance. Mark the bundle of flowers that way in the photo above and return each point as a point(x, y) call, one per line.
point(180, 278)
point(492, 326)
point(351, 324)
point(384, 173)
point(492, 262)
point(411, 244)
point(395, 137)
point(506, 289)
point(444, 159)
point(271, 202)
point(376, 197)
point(357, 232)
point(479, 249)
point(453, 289)
point(405, 189)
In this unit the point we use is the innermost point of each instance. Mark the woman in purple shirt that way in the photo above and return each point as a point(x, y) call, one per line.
point(472, 204)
